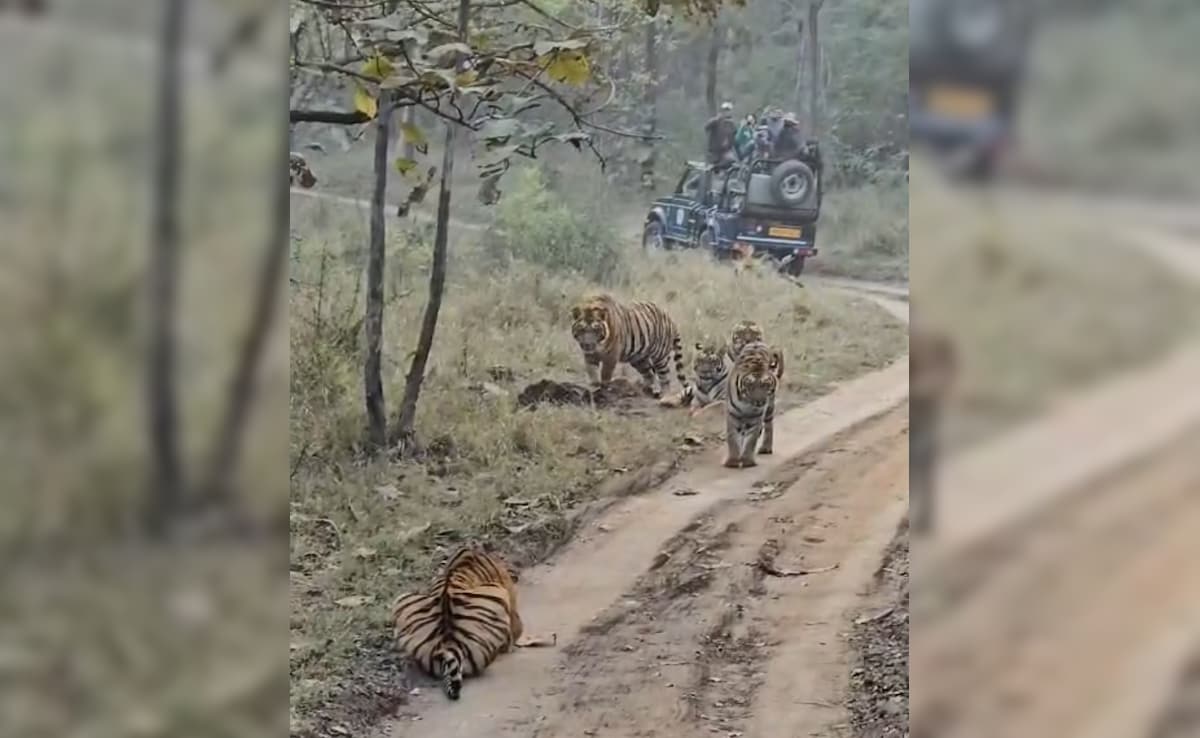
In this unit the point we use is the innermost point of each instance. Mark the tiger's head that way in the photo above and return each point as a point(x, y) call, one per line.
point(755, 372)
point(709, 362)
point(299, 171)
point(744, 333)
point(591, 324)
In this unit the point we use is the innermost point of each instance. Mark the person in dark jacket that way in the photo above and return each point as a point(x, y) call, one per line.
point(788, 142)
point(722, 134)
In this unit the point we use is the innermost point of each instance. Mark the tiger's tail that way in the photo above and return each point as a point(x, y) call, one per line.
point(688, 393)
point(450, 670)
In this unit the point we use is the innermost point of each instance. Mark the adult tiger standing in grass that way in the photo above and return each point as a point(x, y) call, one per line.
point(639, 333)
point(750, 404)
point(463, 622)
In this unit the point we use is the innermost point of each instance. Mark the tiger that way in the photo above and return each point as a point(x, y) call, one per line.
point(639, 333)
point(748, 331)
point(750, 405)
point(463, 622)
point(711, 368)
point(299, 171)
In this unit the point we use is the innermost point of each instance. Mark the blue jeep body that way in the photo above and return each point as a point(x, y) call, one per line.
point(719, 220)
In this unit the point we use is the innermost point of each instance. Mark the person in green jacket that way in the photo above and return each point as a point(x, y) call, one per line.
point(743, 140)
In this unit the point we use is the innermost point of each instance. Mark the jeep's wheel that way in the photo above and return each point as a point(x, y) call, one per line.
point(707, 242)
point(652, 236)
point(791, 182)
point(796, 266)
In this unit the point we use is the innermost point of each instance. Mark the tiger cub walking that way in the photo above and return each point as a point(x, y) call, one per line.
point(466, 619)
point(639, 333)
point(750, 404)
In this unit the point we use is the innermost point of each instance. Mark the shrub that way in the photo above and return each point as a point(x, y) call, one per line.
point(538, 225)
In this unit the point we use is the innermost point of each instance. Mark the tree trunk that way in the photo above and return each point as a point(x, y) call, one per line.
point(373, 319)
point(167, 469)
point(801, 62)
point(714, 57)
point(650, 102)
point(227, 446)
point(814, 72)
point(405, 432)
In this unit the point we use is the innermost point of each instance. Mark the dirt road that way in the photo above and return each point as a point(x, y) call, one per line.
point(669, 623)
point(1061, 595)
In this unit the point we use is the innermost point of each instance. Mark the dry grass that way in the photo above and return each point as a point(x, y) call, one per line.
point(1123, 120)
point(863, 234)
point(1037, 301)
point(369, 529)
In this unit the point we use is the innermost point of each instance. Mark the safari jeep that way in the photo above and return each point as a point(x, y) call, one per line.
point(966, 64)
point(765, 208)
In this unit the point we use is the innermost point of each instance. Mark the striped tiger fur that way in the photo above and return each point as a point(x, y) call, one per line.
point(748, 331)
point(639, 333)
point(711, 367)
point(750, 405)
point(467, 618)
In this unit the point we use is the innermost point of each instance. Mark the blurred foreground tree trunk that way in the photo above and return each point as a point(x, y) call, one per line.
point(227, 447)
point(373, 319)
point(166, 484)
point(405, 432)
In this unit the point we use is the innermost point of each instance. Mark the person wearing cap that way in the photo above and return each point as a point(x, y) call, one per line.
point(722, 134)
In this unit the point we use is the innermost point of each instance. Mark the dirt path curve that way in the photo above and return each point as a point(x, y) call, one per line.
point(1061, 595)
point(648, 556)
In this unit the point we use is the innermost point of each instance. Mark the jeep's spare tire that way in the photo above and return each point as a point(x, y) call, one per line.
point(791, 182)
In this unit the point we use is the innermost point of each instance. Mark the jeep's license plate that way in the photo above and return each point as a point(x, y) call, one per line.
point(784, 232)
point(960, 102)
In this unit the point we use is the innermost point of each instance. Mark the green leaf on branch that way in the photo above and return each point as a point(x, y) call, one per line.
point(377, 67)
point(405, 166)
point(568, 67)
point(365, 103)
point(415, 136)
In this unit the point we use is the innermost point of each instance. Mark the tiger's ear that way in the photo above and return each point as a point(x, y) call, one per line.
point(699, 346)
point(576, 313)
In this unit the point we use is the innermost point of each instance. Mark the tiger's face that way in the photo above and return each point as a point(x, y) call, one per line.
point(590, 326)
point(709, 361)
point(756, 380)
point(299, 172)
point(745, 333)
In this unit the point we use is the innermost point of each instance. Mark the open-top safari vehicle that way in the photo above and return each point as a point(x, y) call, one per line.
point(763, 207)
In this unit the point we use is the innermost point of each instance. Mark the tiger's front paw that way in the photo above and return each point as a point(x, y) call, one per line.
point(733, 463)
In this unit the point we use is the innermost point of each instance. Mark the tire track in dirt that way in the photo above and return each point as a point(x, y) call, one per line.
point(708, 642)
